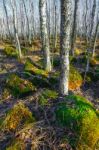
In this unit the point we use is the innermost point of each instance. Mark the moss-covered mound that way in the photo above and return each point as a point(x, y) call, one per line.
point(19, 86)
point(79, 116)
point(30, 67)
point(18, 115)
point(10, 51)
point(75, 79)
point(47, 95)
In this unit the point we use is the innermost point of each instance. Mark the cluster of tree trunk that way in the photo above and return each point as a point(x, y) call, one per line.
point(68, 31)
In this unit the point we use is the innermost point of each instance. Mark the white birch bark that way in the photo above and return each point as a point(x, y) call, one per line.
point(15, 29)
point(28, 26)
point(44, 34)
point(6, 13)
point(66, 16)
point(74, 28)
point(94, 39)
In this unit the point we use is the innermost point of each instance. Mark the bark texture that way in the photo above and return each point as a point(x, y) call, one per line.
point(66, 26)
point(44, 34)
point(74, 28)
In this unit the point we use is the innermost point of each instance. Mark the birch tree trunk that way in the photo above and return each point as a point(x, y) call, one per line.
point(66, 26)
point(55, 26)
point(44, 35)
point(28, 26)
point(6, 13)
point(74, 28)
point(94, 39)
point(13, 5)
point(89, 37)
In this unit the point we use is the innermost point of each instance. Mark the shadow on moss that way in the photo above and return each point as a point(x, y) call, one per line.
point(79, 116)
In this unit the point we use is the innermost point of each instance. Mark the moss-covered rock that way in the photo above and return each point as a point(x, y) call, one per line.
point(47, 95)
point(10, 51)
point(30, 67)
point(18, 115)
point(79, 116)
point(19, 86)
point(75, 79)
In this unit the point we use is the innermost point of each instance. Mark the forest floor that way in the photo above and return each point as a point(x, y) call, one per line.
point(45, 116)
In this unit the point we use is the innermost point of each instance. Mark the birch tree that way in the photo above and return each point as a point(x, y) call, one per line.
point(44, 35)
point(95, 38)
point(89, 48)
point(6, 13)
point(13, 5)
point(74, 28)
point(66, 26)
point(27, 19)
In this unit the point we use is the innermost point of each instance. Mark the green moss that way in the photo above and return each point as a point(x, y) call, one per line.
point(30, 67)
point(79, 115)
point(19, 86)
point(47, 95)
point(18, 115)
point(75, 78)
point(10, 51)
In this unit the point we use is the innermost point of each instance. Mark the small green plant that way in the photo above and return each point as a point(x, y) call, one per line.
point(19, 86)
point(79, 115)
